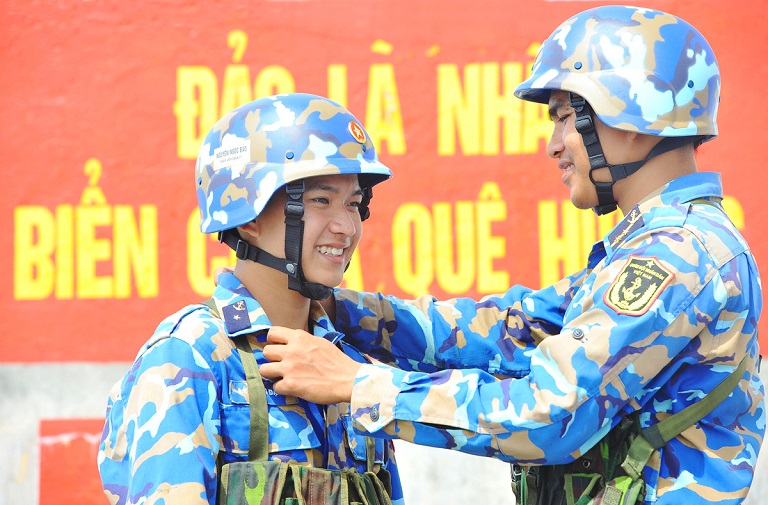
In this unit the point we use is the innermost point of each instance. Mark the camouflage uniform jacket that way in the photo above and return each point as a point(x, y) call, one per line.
point(184, 403)
point(666, 308)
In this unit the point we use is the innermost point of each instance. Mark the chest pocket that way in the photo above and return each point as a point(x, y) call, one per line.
point(291, 423)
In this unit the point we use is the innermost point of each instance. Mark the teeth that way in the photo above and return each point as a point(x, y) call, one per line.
point(330, 251)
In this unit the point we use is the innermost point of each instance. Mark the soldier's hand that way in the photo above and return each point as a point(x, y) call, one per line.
point(219, 271)
point(307, 366)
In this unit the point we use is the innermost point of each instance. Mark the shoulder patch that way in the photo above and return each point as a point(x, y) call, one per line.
point(637, 286)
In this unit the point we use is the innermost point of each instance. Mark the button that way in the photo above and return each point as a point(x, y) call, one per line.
point(578, 334)
point(375, 413)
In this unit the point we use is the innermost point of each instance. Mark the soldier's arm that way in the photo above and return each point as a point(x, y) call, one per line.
point(621, 344)
point(161, 435)
point(495, 334)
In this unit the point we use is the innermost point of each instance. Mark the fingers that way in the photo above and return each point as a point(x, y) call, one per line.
point(301, 364)
point(275, 352)
point(280, 342)
point(283, 387)
point(219, 271)
point(280, 335)
point(271, 371)
point(277, 372)
point(277, 339)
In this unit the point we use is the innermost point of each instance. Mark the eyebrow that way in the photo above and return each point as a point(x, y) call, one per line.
point(555, 106)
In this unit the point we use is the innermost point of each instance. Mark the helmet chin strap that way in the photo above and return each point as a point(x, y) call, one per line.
point(294, 235)
point(585, 125)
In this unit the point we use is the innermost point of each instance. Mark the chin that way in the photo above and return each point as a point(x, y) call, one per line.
point(582, 203)
point(327, 280)
point(332, 283)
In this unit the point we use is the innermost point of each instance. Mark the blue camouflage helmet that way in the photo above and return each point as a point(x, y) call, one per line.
point(261, 146)
point(640, 69)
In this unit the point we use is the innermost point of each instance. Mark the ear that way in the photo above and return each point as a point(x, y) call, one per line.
point(250, 230)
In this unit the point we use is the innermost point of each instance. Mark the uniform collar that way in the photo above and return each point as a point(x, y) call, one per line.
point(686, 189)
point(667, 201)
point(243, 314)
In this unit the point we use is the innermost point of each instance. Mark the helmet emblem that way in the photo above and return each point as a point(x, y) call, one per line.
point(357, 132)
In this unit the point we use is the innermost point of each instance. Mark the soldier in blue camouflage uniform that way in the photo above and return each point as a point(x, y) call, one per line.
point(666, 307)
point(286, 181)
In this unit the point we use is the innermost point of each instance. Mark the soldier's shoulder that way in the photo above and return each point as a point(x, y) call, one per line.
point(196, 326)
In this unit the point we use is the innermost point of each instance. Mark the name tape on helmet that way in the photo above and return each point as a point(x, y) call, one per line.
point(232, 154)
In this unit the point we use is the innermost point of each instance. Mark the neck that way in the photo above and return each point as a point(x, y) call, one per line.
point(655, 173)
point(283, 306)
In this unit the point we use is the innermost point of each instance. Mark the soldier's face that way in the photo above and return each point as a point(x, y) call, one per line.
point(566, 146)
point(332, 226)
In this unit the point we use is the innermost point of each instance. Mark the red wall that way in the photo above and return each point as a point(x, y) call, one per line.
point(104, 104)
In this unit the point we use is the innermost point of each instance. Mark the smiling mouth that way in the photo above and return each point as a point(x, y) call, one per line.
point(329, 251)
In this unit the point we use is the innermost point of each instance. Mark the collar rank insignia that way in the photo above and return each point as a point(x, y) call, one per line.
point(236, 316)
point(633, 221)
point(638, 285)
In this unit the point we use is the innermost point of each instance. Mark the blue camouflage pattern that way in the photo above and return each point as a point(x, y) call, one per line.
point(666, 308)
point(258, 147)
point(183, 407)
point(640, 69)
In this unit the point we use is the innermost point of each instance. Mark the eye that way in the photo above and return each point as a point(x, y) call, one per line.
point(321, 199)
point(564, 117)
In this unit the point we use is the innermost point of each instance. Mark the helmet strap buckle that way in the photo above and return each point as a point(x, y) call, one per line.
point(294, 237)
point(585, 125)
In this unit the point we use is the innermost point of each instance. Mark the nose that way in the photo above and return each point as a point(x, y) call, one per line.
point(555, 145)
point(345, 222)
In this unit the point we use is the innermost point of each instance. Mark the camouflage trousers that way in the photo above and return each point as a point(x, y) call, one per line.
point(277, 483)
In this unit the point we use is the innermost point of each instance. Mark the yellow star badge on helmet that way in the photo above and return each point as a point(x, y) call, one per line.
point(639, 284)
point(357, 132)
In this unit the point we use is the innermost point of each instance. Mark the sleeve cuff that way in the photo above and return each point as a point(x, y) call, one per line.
point(374, 397)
